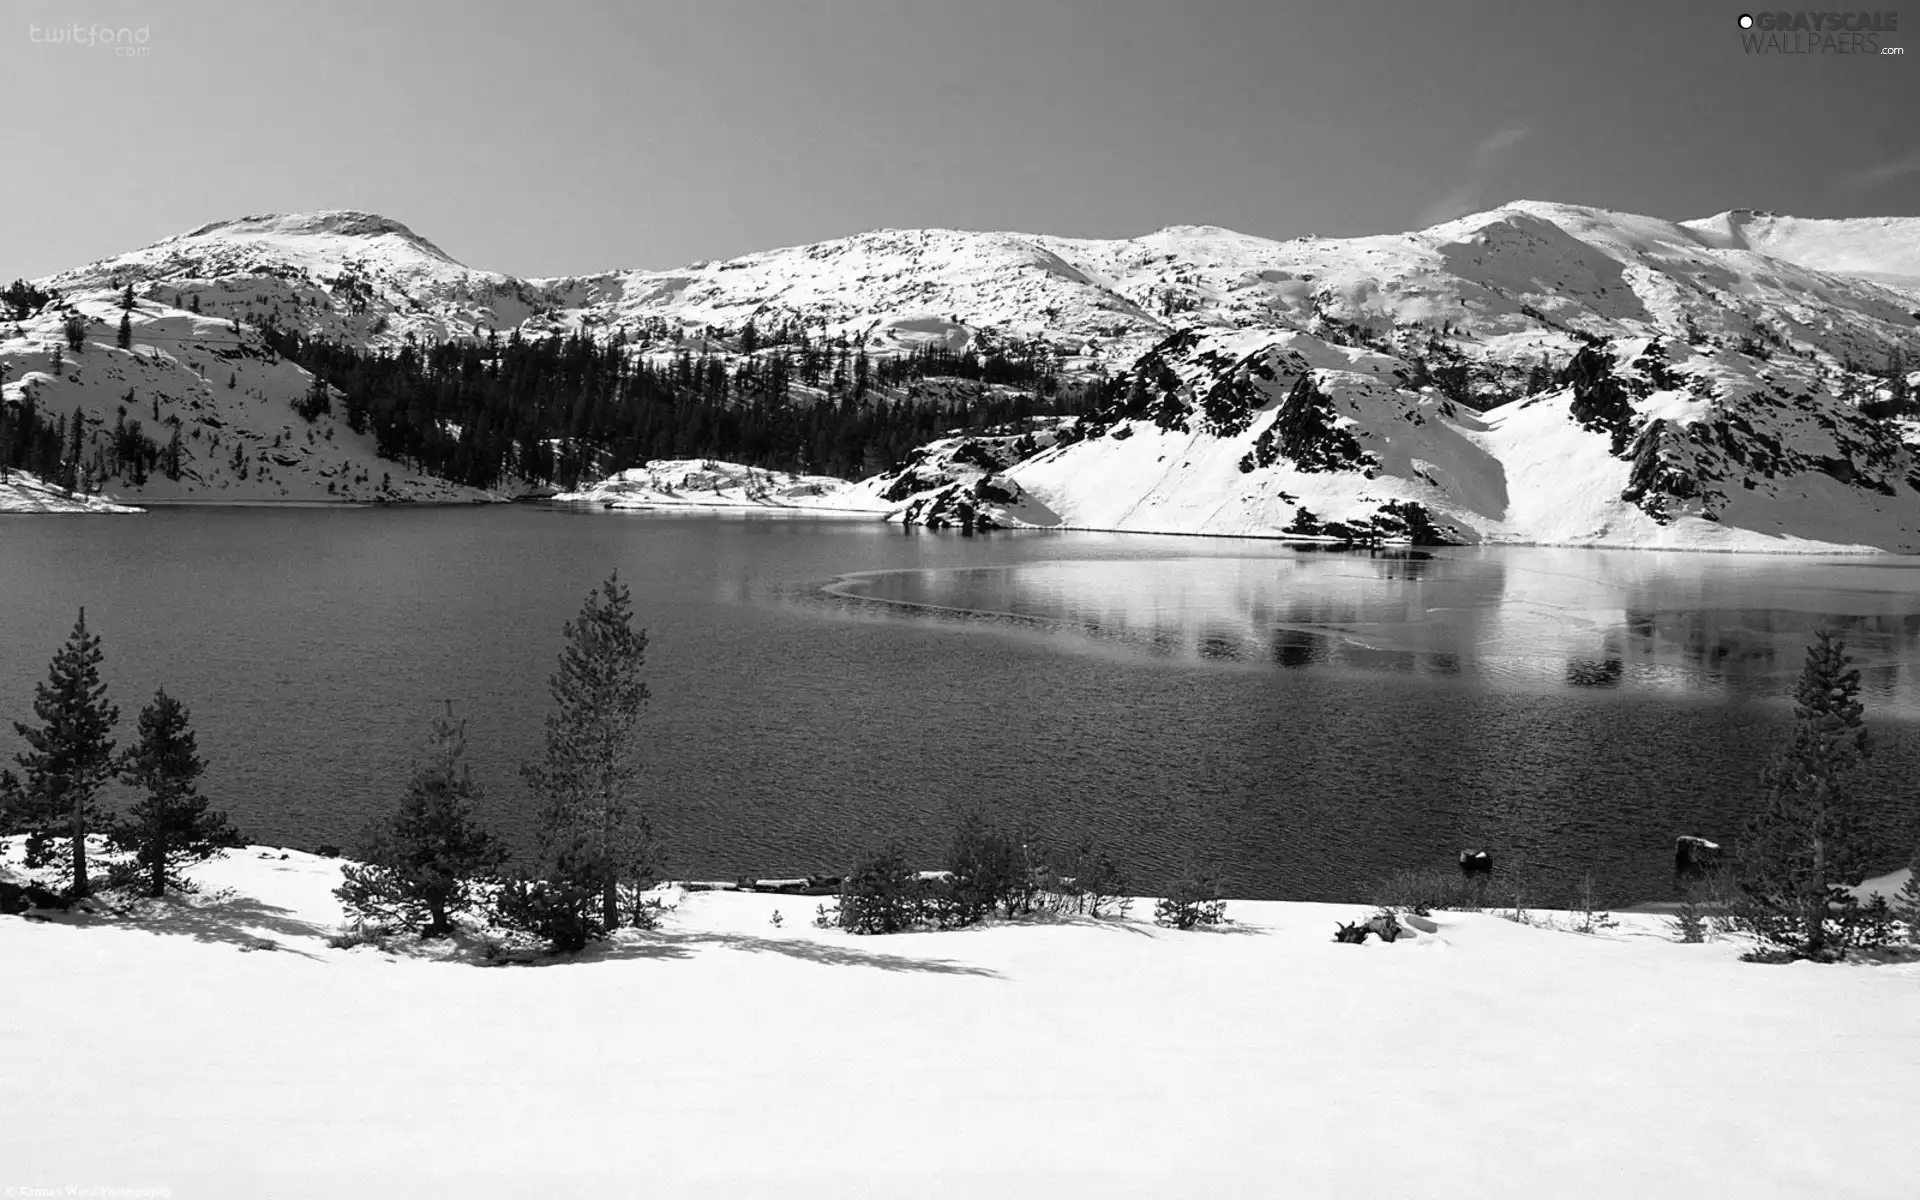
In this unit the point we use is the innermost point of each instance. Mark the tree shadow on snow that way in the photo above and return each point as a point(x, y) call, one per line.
point(240, 921)
point(670, 944)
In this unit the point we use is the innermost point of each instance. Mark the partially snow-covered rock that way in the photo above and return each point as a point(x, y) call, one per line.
point(1270, 434)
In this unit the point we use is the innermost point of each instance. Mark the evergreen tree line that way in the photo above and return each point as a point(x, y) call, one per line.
point(22, 299)
point(30, 442)
point(566, 408)
point(69, 759)
point(428, 861)
point(62, 451)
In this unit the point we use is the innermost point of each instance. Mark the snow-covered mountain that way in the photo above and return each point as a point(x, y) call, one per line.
point(1637, 442)
point(1739, 427)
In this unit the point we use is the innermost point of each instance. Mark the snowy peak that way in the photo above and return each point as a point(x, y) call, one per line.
point(343, 223)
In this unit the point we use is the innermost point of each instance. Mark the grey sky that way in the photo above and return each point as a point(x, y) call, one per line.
point(572, 137)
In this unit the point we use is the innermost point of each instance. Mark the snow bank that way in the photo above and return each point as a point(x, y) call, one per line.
point(21, 492)
point(707, 483)
point(727, 1056)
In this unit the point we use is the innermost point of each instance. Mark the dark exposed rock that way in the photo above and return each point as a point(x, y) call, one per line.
point(1601, 403)
point(1306, 432)
point(16, 898)
point(1694, 857)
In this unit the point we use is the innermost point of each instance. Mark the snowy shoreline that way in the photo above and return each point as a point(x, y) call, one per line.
point(26, 494)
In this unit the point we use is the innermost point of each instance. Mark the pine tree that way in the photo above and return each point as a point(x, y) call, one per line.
point(124, 339)
point(171, 459)
point(1806, 843)
point(76, 433)
point(126, 297)
point(69, 757)
point(419, 866)
point(594, 838)
point(1906, 905)
point(173, 826)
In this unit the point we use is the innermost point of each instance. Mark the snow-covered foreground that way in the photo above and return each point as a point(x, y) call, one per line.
point(723, 1055)
point(21, 492)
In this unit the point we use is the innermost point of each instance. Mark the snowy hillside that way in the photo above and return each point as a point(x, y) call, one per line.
point(21, 492)
point(231, 401)
point(1635, 443)
point(1883, 249)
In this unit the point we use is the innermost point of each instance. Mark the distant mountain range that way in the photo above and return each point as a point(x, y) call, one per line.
point(1539, 372)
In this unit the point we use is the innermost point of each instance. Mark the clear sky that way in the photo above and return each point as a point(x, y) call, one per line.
point(546, 138)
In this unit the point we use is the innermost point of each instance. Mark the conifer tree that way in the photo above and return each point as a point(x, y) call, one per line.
point(126, 297)
point(69, 757)
point(594, 838)
point(171, 460)
point(1906, 905)
point(1806, 842)
point(124, 339)
point(173, 825)
point(76, 433)
point(419, 866)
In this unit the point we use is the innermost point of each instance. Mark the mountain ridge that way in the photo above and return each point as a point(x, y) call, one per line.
point(1762, 333)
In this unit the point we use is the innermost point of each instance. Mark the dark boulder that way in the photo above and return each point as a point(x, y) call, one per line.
point(18, 898)
point(1694, 858)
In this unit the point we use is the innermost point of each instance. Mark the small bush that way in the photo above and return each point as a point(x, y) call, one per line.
point(1096, 887)
point(361, 934)
point(1689, 924)
point(1586, 915)
point(988, 868)
point(1421, 892)
point(1192, 901)
point(565, 915)
point(1767, 954)
point(1869, 925)
point(881, 895)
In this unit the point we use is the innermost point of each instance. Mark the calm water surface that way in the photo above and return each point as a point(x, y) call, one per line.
point(1309, 721)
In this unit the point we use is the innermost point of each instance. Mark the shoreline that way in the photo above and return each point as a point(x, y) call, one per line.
point(668, 506)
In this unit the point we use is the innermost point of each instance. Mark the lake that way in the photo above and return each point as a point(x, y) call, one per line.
point(1308, 721)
